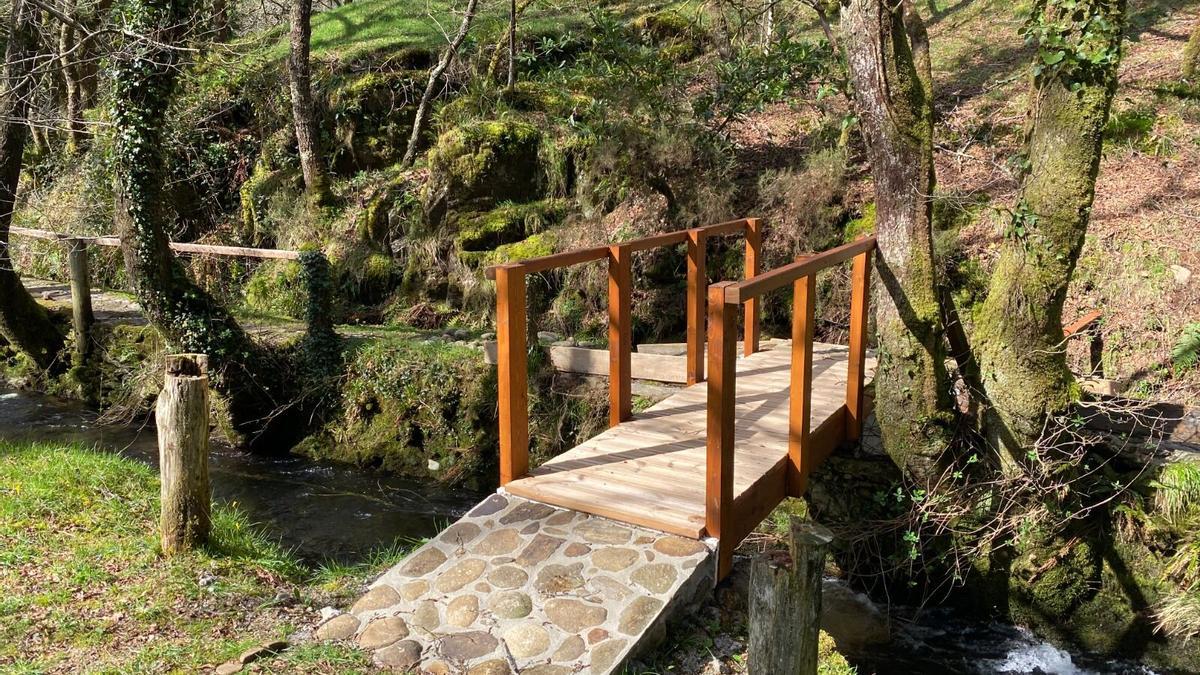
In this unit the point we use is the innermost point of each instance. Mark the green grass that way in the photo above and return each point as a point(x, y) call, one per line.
point(87, 590)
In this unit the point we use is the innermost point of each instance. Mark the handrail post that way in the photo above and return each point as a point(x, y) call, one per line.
point(697, 292)
point(753, 248)
point(512, 372)
point(860, 298)
point(620, 342)
point(722, 368)
point(81, 296)
point(800, 396)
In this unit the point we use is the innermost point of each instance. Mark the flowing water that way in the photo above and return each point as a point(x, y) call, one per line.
point(333, 511)
point(322, 510)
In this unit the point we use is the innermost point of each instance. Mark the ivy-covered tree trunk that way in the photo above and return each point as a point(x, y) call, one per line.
point(251, 379)
point(23, 322)
point(1018, 339)
point(1191, 54)
point(888, 56)
point(316, 178)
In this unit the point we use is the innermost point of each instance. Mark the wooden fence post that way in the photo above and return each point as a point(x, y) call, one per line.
point(697, 295)
point(81, 296)
point(620, 335)
point(753, 249)
point(182, 418)
point(722, 371)
point(785, 605)
point(512, 369)
point(800, 392)
point(860, 299)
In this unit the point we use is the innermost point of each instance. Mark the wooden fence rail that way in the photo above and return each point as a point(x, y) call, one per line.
point(511, 324)
point(730, 519)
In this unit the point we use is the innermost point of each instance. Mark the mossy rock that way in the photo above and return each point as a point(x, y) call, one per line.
point(418, 408)
point(508, 224)
point(256, 193)
point(678, 37)
point(372, 116)
point(276, 290)
point(483, 164)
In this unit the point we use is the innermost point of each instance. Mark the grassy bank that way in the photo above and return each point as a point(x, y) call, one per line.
point(86, 589)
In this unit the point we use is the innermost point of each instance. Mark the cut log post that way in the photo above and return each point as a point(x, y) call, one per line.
point(785, 605)
point(182, 418)
point(81, 296)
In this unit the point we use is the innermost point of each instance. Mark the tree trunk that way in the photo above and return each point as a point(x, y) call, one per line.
point(1018, 334)
point(512, 44)
point(181, 415)
point(252, 380)
point(68, 55)
point(316, 179)
point(1191, 54)
point(222, 27)
point(23, 322)
point(504, 46)
point(423, 109)
point(888, 56)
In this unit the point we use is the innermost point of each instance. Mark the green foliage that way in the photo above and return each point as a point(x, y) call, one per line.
point(1078, 41)
point(276, 290)
point(1186, 353)
point(1177, 491)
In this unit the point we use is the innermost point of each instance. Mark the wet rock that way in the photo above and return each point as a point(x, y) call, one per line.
point(423, 562)
point(491, 505)
point(574, 616)
point(638, 615)
point(460, 533)
point(600, 531)
point(511, 605)
point(526, 640)
point(526, 511)
point(499, 542)
point(538, 550)
point(656, 578)
point(403, 654)
point(380, 597)
point(460, 575)
point(383, 632)
point(340, 627)
point(466, 646)
point(558, 579)
point(508, 576)
point(614, 559)
point(678, 547)
point(462, 611)
point(571, 649)
point(605, 656)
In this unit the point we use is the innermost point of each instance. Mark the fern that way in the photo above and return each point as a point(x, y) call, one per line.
point(1178, 615)
point(1186, 353)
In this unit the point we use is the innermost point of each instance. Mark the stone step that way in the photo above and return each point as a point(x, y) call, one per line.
point(517, 586)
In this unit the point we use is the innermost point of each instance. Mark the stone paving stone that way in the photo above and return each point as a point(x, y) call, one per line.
point(518, 586)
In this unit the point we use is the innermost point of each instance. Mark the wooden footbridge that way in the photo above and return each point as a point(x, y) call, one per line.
point(715, 459)
point(574, 566)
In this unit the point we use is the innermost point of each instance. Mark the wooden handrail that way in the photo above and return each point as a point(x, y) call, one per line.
point(179, 247)
point(730, 518)
point(511, 324)
point(1089, 323)
point(778, 278)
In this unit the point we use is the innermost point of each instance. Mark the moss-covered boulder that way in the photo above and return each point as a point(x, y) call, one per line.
point(479, 165)
point(508, 224)
point(416, 407)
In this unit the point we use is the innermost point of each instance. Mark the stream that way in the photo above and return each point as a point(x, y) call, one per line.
point(329, 511)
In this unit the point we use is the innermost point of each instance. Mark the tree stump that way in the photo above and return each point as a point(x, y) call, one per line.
point(785, 604)
point(81, 296)
point(182, 418)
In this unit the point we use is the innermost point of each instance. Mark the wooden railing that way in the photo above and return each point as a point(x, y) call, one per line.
point(730, 519)
point(1089, 325)
point(511, 325)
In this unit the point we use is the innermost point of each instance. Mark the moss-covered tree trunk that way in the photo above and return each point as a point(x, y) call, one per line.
point(251, 379)
point(23, 323)
point(316, 178)
point(1018, 339)
point(888, 56)
point(1191, 54)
